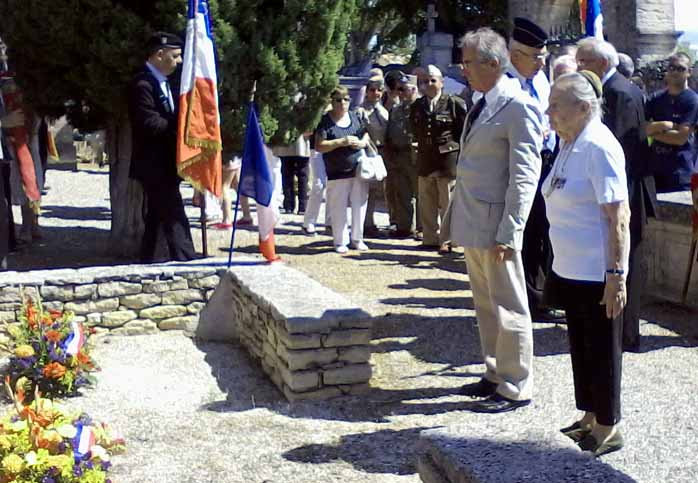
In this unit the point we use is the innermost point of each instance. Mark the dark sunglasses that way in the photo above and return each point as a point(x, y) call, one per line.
point(428, 81)
point(676, 68)
point(375, 89)
point(340, 99)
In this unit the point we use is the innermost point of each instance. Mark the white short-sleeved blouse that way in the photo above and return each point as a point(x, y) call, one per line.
point(586, 174)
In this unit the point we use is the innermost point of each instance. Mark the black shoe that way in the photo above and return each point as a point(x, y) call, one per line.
point(481, 388)
point(371, 231)
point(575, 432)
point(548, 315)
point(614, 443)
point(400, 234)
point(498, 404)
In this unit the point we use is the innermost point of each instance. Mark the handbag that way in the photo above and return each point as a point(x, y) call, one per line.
point(371, 166)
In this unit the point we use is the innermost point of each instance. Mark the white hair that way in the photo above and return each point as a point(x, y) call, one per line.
point(489, 45)
point(566, 60)
point(600, 49)
point(580, 89)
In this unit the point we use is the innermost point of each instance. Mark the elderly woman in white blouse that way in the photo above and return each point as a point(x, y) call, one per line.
point(587, 205)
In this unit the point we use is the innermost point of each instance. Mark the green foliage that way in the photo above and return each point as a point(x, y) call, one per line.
point(84, 52)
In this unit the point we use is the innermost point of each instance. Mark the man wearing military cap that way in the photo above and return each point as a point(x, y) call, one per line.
point(401, 161)
point(375, 117)
point(437, 121)
point(528, 53)
point(153, 115)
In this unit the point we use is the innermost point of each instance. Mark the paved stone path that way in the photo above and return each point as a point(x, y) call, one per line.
point(202, 413)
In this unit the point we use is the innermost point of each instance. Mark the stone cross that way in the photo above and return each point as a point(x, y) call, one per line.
point(432, 15)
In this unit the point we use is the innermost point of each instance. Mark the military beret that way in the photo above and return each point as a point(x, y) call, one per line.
point(528, 33)
point(164, 40)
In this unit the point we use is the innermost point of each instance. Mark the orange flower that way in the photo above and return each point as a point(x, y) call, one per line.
point(46, 319)
point(54, 370)
point(84, 358)
point(53, 335)
point(55, 314)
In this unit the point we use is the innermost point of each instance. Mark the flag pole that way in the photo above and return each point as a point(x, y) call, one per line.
point(691, 261)
point(204, 237)
point(237, 201)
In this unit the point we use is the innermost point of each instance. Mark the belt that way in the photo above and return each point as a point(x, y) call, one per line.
point(438, 141)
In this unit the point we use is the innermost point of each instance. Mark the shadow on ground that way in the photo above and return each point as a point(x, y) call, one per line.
point(359, 451)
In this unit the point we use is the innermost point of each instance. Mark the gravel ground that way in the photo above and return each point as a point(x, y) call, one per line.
point(202, 413)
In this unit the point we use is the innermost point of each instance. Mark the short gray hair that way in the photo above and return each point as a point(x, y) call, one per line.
point(626, 66)
point(600, 49)
point(488, 44)
point(580, 89)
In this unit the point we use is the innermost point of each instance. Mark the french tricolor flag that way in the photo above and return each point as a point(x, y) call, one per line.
point(592, 19)
point(256, 182)
point(84, 441)
point(199, 128)
point(74, 342)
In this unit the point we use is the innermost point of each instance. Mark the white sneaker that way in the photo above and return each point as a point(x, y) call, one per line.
point(361, 246)
point(341, 249)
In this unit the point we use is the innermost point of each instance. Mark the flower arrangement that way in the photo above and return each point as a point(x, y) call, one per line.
point(40, 442)
point(50, 352)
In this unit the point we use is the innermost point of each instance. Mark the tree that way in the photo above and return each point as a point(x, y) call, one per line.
point(75, 57)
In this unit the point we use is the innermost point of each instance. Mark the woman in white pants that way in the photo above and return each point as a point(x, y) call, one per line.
point(340, 137)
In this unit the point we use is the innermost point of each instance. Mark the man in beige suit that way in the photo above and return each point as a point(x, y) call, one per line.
point(497, 176)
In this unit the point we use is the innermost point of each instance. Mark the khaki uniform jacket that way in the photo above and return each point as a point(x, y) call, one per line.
point(437, 134)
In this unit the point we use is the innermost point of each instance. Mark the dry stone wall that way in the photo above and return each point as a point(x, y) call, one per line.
point(128, 300)
point(312, 342)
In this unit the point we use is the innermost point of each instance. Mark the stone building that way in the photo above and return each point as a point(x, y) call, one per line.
point(644, 29)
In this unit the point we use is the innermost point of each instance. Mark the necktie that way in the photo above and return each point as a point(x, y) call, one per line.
point(531, 89)
point(474, 113)
point(169, 95)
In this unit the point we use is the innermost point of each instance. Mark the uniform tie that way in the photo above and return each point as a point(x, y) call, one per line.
point(474, 113)
point(531, 89)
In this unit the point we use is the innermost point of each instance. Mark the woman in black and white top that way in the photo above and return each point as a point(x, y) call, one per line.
point(340, 137)
point(586, 201)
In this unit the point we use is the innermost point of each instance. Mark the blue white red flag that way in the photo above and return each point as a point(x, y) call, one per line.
point(84, 441)
point(199, 128)
point(256, 182)
point(74, 342)
point(592, 18)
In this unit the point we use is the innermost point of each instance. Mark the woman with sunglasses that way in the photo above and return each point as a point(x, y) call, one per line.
point(340, 137)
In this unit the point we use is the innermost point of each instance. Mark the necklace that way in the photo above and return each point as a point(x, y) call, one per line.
point(558, 180)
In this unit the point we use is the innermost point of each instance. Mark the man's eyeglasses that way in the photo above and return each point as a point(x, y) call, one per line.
point(375, 89)
point(340, 99)
point(428, 81)
point(676, 68)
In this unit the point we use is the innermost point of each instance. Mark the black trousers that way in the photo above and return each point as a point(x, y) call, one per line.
point(167, 233)
point(536, 252)
point(294, 167)
point(595, 346)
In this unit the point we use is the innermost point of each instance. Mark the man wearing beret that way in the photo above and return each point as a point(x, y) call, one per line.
point(437, 120)
point(401, 162)
point(153, 115)
point(528, 53)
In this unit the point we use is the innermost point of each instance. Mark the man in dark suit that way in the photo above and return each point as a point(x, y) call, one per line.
point(153, 114)
point(624, 115)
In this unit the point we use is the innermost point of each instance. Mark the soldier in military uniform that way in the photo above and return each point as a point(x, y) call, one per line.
point(437, 122)
point(375, 116)
point(401, 161)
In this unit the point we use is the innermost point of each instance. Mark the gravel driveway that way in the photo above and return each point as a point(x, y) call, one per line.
point(202, 413)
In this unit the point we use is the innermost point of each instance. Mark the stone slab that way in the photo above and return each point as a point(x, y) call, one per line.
point(457, 454)
point(349, 374)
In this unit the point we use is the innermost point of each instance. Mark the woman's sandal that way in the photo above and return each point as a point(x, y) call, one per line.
point(576, 432)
